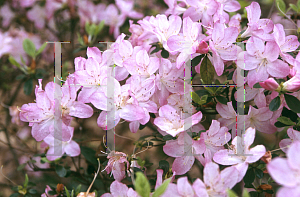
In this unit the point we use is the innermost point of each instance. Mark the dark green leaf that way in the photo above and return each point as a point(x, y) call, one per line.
point(31, 184)
point(52, 192)
point(164, 53)
point(222, 100)
point(60, 171)
point(275, 104)
point(157, 48)
point(168, 137)
point(27, 195)
point(141, 185)
point(292, 102)
point(202, 92)
point(290, 114)
point(32, 191)
point(259, 173)
point(279, 124)
point(89, 154)
point(253, 194)
point(20, 77)
point(164, 165)
point(21, 167)
point(161, 189)
point(257, 85)
point(207, 71)
point(28, 86)
point(197, 60)
point(250, 176)
point(142, 127)
point(229, 77)
point(14, 195)
point(29, 47)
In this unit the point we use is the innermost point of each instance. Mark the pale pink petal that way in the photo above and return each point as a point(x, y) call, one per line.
point(184, 187)
point(182, 165)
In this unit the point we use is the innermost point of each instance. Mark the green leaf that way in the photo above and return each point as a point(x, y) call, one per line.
point(195, 97)
point(157, 48)
point(231, 193)
point(292, 102)
point(207, 71)
point(99, 28)
point(67, 192)
point(78, 189)
point(165, 53)
point(281, 5)
point(52, 192)
point(275, 104)
point(29, 47)
point(250, 176)
point(20, 77)
point(222, 100)
point(28, 86)
point(31, 184)
point(21, 167)
point(161, 189)
point(32, 191)
point(286, 121)
point(197, 60)
point(294, 7)
point(14, 195)
point(298, 4)
point(259, 173)
point(12, 60)
point(89, 154)
point(60, 171)
point(41, 49)
point(141, 185)
point(26, 181)
point(168, 137)
point(164, 165)
point(27, 195)
point(257, 85)
point(246, 193)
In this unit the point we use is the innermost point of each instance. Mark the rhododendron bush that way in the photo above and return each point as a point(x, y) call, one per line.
point(150, 98)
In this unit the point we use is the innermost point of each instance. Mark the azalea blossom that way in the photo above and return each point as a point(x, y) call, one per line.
point(240, 153)
point(172, 123)
point(286, 172)
point(294, 136)
point(120, 189)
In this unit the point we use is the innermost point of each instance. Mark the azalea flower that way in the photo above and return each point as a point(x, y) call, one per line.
point(120, 189)
point(172, 123)
point(116, 164)
point(286, 172)
point(294, 136)
point(249, 155)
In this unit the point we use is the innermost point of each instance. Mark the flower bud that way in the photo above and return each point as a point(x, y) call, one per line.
point(292, 85)
point(269, 84)
point(292, 72)
point(202, 47)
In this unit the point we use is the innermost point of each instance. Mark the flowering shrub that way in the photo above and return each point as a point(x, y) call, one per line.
point(209, 90)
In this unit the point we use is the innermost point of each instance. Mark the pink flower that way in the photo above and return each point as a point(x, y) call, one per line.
point(120, 189)
point(46, 192)
point(27, 3)
point(172, 123)
point(37, 15)
point(253, 93)
point(57, 147)
point(222, 47)
point(7, 15)
point(187, 42)
point(294, 136)
point(260, 119)
point(126, 8)
point(229, 116)
point(41, 115)
point(239, 145)
point(286, 43)
point(262, 60)
point(286, 172)
point(257, 27)
point(292, 85)
point(269, 84)
point(201, 10)
point(215, 138)
point(215, 183)
point(184, 149)
point(175, 8)
point(5, 43)
point(116, 164)
point(14, 113)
